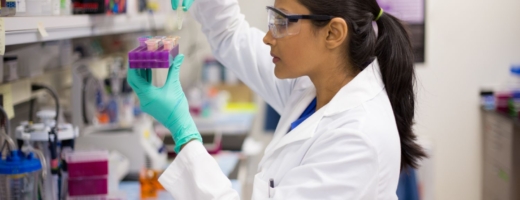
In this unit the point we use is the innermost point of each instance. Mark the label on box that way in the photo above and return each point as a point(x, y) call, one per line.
point(42, 30)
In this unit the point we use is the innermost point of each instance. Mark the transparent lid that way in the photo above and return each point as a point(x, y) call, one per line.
point(86, 156)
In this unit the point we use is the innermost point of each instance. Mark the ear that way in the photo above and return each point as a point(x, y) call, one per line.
point(337, 32)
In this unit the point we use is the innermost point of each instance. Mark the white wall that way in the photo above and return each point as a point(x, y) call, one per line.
point(469, 43)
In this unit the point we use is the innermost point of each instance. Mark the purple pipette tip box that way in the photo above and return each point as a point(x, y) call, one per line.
point(141, 58)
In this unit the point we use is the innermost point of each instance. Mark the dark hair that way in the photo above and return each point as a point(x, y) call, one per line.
point(393, 49)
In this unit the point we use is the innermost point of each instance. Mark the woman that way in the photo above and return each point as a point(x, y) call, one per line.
point(345, 94)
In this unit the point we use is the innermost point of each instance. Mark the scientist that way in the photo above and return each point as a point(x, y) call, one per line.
point(345, 94)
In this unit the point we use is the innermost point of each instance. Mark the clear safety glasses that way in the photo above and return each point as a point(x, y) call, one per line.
point(281, 24)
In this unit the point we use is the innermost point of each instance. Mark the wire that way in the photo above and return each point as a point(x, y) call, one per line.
point(8, 141)
point(56, 100)
point(7, 124)
point(31, 108)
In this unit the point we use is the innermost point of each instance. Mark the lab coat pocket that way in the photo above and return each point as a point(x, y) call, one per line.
point(262, 188)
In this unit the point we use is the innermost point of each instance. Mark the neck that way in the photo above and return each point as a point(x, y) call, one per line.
point(329, 82)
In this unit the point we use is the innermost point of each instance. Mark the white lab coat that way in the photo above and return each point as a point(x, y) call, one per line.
point(348, 149)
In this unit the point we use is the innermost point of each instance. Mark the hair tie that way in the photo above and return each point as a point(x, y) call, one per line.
point(380, 14)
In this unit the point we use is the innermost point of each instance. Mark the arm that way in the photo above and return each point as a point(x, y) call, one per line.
point(194, 174)
point(240, 48)
point(340, 165)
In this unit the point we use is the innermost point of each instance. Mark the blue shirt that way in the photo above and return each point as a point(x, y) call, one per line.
point(311, 109)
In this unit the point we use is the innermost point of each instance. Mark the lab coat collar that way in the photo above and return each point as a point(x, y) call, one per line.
point(365, 86)
point(303, 131)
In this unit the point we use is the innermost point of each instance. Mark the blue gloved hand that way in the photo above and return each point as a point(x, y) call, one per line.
point(167, 104)
point(186, 4)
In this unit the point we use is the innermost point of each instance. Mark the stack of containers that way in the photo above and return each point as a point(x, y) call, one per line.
point(88, 173)
point(154, 52)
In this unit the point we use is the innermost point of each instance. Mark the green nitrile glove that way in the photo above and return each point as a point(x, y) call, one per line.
point(186, 4)
point(167, 104)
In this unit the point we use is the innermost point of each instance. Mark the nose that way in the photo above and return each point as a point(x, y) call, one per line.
point(269, 39)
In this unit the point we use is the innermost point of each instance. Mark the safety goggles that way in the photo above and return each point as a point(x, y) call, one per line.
point(281, 24)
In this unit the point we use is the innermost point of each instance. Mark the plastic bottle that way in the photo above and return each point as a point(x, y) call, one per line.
point(211, 71)
point(147, 179)
point(65, 7)
point(55, 7)
point(20, 7)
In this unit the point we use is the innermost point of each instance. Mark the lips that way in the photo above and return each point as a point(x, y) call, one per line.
point(275, 58)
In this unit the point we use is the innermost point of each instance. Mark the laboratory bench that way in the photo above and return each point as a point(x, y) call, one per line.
point(229, 162)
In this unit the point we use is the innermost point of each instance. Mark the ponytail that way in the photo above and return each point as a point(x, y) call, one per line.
point(395, 56)
point(393, 50)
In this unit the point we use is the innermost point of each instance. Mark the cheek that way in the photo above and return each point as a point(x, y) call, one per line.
point(297, 57)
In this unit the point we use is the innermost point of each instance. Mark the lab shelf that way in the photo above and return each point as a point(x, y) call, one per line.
point(21, 30)
point(21, 88)
point(55, 77)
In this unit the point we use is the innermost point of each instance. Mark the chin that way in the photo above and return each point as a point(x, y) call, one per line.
point(279, 73)
point(283, 74)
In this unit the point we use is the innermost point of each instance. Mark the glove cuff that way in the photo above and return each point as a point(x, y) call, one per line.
point(189, 137)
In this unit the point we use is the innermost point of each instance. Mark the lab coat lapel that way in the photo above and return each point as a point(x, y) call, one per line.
point(365, 86)
point(303, 131)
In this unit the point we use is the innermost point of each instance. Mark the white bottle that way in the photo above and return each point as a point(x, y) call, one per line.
point(65, 7)
point(56, 7)
point(132, 7)
point(34, 7)
point(231, 78)
point(21, 8)
point(46, 7)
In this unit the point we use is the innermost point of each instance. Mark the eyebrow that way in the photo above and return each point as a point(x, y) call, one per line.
point(283, 9)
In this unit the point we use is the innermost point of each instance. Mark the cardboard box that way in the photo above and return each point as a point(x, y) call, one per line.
point(239, 93)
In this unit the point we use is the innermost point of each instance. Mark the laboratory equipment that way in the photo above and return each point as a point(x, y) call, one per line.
point(154, 53)
point(33, 7)
point(88, 6)
point(8, 8)
point(141, 145)
point(20, 7)
point(20, 171)
point(10, 68)
point(19, 176)
point(52, 138)
point(88, 172)
point(508, 95)
point(95, 174)
point(212, 71)
point(87, 95)
point(55, 7)
point(148, 180)
point(65, 7)
point(180, 19)
point(152, 44)
point(115, 6)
